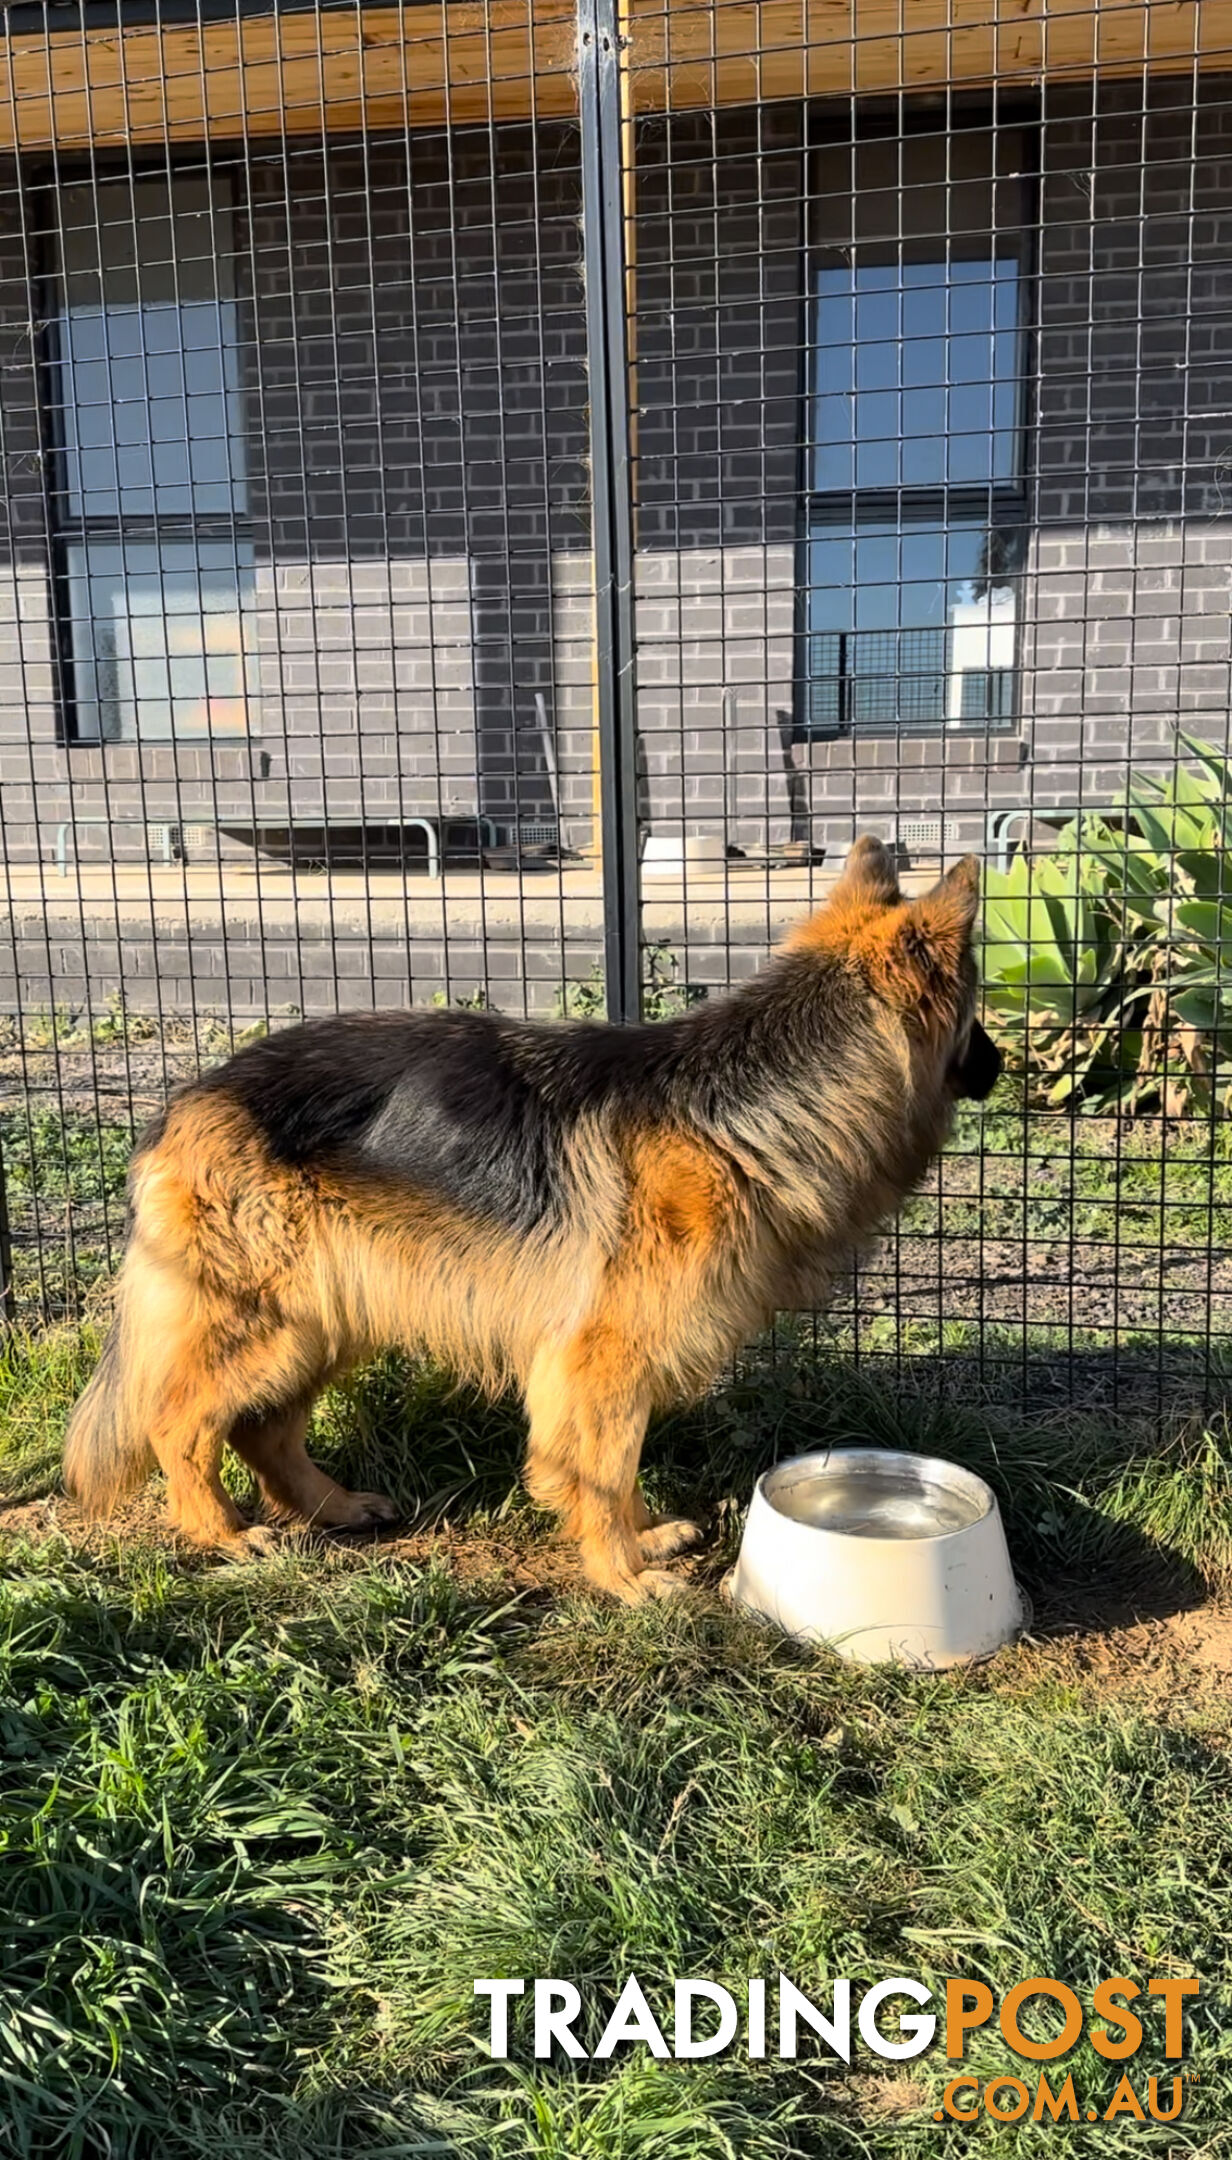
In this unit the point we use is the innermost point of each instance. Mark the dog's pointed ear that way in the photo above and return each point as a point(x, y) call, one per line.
point(942, 919)
point(868, 874)
point(929, 938)
point(953, 902)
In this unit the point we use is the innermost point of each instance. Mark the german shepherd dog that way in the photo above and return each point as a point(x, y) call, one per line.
point(597, 1215)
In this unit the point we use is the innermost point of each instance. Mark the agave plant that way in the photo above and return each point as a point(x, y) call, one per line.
point(1108, 962)
point(1053, 968)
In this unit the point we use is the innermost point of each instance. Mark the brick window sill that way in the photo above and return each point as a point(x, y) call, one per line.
point(879, 753)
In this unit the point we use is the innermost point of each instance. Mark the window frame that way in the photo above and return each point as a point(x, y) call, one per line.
point(234, 529)
point(902, 505)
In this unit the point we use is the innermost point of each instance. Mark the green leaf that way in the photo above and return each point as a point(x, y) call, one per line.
point(1208, 870)
point(1159, 823)
point(1198, 1008)
point(1211, 924)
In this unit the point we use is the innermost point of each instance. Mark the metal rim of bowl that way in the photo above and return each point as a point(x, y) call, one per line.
point(933, 1469)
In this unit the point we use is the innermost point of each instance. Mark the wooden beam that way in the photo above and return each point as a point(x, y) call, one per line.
point(471, 61)
point(689, 52)
point(387, 67)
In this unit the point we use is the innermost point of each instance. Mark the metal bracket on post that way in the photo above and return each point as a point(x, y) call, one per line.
point(603, 245)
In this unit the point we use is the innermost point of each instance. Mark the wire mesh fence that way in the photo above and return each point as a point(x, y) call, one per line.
point(497, 498)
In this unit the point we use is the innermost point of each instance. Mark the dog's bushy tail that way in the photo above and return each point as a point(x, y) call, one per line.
point(106, 1452)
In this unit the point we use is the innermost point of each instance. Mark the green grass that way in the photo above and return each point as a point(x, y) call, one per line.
point(64, 1172)
point(1012, 1173)
point(260, 1830)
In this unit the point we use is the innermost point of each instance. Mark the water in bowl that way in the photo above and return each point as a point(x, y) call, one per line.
point(878, 1503)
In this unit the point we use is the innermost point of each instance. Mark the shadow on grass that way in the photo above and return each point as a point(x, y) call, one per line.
point(1109, 1517)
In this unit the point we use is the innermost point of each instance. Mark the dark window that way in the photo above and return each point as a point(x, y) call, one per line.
point(151, 492)
point(915, 473)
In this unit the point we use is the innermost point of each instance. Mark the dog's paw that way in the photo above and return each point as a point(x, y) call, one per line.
point(657, 1583)
point(669, 1535)
point(379, 1508)
point(260, 1541)
point(642, 1588)
point(358, 1511)
point(256, 1541)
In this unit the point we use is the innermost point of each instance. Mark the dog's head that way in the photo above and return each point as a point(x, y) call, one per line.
point(919, 957)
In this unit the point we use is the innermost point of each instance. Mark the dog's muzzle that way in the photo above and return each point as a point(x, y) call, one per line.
point(979, 1070)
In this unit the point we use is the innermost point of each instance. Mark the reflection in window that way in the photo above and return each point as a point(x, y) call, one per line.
point(911, 626)
point(151, 413)
point(152, 473)
point(157, 634)
point(916, 374)
point(915, 453)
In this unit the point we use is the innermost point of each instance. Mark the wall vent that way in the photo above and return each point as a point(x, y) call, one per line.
point(929, 835)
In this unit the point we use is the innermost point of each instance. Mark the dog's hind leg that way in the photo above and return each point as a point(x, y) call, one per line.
point(294, 1489)
point(213, 1369)
point(190, 1416)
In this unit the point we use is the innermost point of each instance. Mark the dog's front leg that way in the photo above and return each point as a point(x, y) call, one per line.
point(588, 1404)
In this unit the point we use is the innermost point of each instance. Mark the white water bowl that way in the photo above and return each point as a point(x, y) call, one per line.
point(668, 854)
point(885, 1557)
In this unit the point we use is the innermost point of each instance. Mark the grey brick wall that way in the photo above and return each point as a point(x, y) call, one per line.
point(418, 365)
point(1132, 553)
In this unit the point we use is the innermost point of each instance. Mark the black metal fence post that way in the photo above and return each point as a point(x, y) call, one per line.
point(603, 239)
point(8, 1294)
